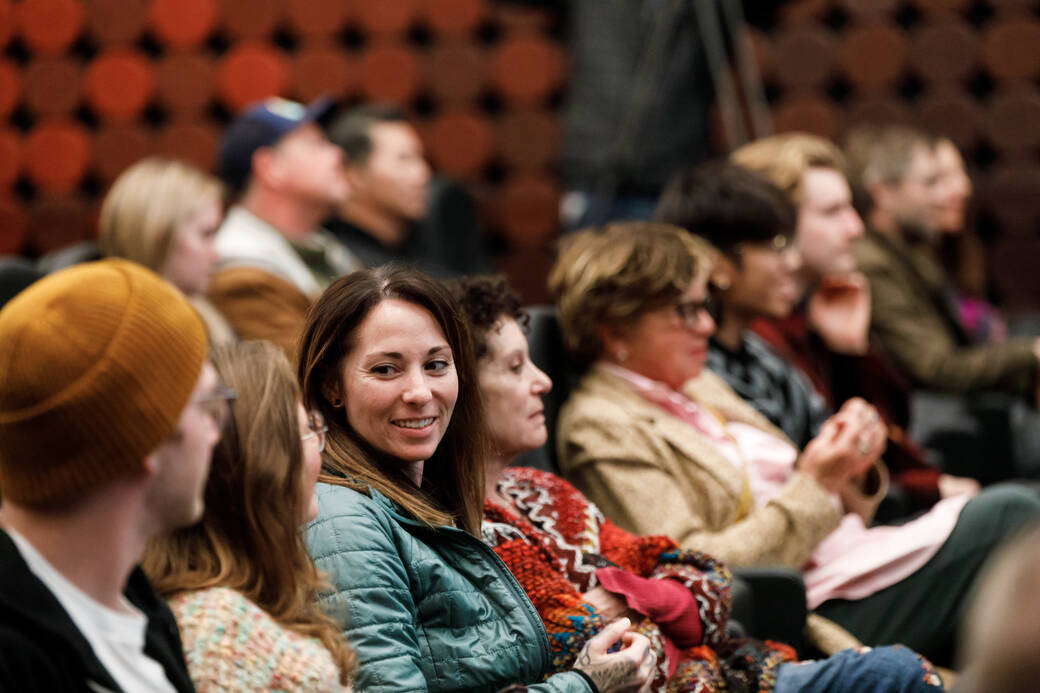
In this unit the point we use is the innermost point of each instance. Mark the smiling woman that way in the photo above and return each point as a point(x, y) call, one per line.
point(387, 360)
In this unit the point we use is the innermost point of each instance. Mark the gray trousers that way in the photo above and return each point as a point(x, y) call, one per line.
point(924, 611)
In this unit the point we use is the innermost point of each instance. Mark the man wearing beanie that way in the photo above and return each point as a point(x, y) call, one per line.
point(109, 412)
point(274, 256)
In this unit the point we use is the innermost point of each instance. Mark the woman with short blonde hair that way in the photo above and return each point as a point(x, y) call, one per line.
point(664, 446)
point(594, 285)
point(785, 158)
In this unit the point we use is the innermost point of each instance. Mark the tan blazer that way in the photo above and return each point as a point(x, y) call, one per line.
point(653, 473)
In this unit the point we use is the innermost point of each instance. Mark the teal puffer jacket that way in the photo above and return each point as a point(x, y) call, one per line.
point(425, 609)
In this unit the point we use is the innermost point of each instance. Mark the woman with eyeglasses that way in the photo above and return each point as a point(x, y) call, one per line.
point(581, 570)
point(664, 446)
point(756, 275)
point(240, 582)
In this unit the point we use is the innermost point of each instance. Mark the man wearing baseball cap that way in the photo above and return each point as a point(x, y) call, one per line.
point(275, 258)
point(109, 412)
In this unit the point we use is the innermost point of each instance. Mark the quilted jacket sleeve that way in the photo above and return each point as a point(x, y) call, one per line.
point(353, 542)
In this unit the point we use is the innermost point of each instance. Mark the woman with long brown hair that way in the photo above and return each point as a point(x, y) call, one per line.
point(386, 358)
point(240, 582)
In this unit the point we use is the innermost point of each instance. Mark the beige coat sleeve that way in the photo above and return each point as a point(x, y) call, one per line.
point(646, 486)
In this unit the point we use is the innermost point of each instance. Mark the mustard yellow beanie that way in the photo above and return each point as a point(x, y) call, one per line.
point(97, 362)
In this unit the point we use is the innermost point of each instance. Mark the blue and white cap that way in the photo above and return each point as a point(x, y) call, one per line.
point(261, 125)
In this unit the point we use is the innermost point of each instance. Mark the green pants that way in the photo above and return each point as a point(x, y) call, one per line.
point(924, 611)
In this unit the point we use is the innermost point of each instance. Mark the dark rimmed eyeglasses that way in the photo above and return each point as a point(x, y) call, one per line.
point(689, 311)
point(217, 403)
point(319, 429)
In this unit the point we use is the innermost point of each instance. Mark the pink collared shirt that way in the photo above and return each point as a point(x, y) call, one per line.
point(852, 562)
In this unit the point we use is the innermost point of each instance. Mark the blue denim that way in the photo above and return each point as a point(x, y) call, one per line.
point(893, 669)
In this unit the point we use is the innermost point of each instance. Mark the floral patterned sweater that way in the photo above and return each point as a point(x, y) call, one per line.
point(554, 549)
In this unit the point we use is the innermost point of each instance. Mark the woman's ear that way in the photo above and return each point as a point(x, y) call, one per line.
point(615, 343)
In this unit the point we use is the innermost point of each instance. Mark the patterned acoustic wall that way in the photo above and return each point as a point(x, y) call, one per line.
point(89, 86)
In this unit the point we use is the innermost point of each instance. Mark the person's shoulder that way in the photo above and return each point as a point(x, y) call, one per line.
point(337, 500)
point(212, 599)
point(30, 664)
point(202, 613)
point(871, 252)
point(599, 400)
point(706, 383)
point(540, 479)
point(766, 355)
point(351, 521)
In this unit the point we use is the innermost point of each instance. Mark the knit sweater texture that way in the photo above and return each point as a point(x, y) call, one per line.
point(554, 547)
point(232, 645)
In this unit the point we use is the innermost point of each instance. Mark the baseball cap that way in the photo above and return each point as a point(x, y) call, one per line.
point(261, 125)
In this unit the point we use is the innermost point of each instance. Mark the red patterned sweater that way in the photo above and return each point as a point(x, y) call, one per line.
point(554, 549)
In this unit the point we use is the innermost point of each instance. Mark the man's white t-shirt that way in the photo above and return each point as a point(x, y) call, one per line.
point(117, 637)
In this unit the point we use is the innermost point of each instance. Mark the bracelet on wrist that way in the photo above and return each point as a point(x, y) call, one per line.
point(588, 679)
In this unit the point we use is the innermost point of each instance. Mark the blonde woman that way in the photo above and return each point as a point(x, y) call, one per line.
point(240, 582)
point(164, 214)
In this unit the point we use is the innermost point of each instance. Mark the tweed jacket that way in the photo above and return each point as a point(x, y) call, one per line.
point(918, 328)
point(653, 473)
point(426, 609)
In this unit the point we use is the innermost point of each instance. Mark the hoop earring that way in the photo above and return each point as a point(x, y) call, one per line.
point(337, 403)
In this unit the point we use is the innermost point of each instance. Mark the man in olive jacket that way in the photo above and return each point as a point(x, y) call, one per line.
point(913, 311)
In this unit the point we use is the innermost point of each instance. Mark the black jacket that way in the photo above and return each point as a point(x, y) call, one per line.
point(42, 650)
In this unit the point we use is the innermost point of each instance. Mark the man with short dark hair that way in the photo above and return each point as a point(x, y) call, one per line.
point(396, 210)
point(390, 185)
point(109, 412)
point(275, 258)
